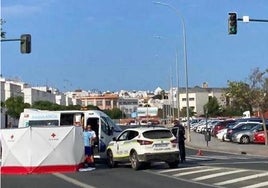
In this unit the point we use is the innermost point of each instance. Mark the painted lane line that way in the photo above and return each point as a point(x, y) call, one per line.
point(242, 179)
point(73, 181)
point(197, 171)
point(218, 174)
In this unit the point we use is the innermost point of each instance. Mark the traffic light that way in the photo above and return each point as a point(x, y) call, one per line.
point(232, 23)
point(25, 43)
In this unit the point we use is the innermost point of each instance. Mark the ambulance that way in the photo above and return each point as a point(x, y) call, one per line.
point(100, 122)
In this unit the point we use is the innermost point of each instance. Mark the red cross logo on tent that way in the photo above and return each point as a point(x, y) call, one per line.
point(53, 135)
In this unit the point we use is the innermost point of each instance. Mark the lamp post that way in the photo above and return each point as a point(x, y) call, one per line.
point(185, 63)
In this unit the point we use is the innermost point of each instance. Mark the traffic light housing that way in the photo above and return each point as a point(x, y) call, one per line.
point(232, 23)
point(25, 43)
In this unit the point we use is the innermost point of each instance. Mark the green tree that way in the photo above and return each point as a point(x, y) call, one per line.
point(92, 107)
point(46, 105)
point(259, 94)
point(230, 111)
point(114, 113)
point(213, 107)
point(240, 95)
point(15, 105)
point(183, 112)
point(251, 95)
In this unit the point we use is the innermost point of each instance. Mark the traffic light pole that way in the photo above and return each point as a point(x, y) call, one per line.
point(252, 20)
point(25, 43)
point(5, 40)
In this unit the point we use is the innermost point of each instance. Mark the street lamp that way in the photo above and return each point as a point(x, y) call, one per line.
point(185, 63)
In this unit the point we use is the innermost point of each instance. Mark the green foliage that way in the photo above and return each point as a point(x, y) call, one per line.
point(92, 107)
point(240, 94)
point(251, 95)
point(46, 105)
point(212, 107)
point(231, 111)
point(114, 113)
point(183, 112)
point(15, 105)
point(259, 89)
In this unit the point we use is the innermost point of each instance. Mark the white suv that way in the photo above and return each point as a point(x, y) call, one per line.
point(142, 145)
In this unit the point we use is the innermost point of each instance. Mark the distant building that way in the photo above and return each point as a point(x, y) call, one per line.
point(103, 101)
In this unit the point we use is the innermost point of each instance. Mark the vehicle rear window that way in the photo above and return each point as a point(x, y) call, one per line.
point(157, 134)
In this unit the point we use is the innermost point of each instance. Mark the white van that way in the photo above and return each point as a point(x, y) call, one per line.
point(101, 123)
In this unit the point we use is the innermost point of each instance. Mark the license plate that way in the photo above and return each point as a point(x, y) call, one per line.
point(160, 145)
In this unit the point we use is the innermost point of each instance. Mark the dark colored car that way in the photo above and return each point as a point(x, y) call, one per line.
point(221, 125)
point(241, 126)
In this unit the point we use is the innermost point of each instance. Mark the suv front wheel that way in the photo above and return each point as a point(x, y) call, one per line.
point(110, 159)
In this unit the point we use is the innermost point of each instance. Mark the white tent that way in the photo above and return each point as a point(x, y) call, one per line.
point(41, 149)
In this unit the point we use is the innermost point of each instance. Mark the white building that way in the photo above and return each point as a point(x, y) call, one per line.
point(14, 88)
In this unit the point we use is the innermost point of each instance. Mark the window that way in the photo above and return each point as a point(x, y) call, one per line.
point(99, 103)
point(41, 123)
point(156, 134)
point(123, 136)
point(132, 134)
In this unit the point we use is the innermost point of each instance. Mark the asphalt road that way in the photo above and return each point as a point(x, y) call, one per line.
point(211, 169)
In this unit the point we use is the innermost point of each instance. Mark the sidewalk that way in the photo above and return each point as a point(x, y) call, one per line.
point(198, 142)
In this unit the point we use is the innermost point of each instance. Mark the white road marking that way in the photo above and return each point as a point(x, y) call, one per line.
point(242, 179)
point(197, 171)
point(73, 181)
point(218, 174)
point(180, 169)
point(262, 184)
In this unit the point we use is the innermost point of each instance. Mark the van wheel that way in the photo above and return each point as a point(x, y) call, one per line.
point(110, 159)
point(135, 163)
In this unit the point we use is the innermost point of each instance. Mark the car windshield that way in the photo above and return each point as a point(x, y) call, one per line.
point(157, 134)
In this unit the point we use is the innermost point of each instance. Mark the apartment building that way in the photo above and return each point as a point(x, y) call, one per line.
point(103, 101)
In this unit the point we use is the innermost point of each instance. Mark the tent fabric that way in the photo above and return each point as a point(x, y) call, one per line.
point(41, 149)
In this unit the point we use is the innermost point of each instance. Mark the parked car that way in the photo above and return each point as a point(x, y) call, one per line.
point(142, 145)
point(246, 136)
point(259, 138)
point(221, 125)
point(241, 126)
point(221, 135)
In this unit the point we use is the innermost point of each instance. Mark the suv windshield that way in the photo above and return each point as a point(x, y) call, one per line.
point(157, 134)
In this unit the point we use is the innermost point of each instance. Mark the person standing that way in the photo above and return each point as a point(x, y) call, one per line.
point(181, 141)
point(89, 138)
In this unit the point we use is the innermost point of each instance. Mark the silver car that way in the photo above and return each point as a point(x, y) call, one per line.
point(246, 136)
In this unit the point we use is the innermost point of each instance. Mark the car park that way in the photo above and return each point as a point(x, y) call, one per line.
point(241, 126)
point(221, 125)
point(221, 135)
point(142, 145)
point(246, 136)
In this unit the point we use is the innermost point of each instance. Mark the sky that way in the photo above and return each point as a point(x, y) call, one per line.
point(112, 45)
